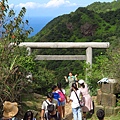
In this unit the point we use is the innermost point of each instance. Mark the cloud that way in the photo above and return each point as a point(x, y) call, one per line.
point(57, 3)
point(11, 6)
point(29, 5)
point(51, 3)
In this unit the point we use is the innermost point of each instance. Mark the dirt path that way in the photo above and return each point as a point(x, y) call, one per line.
point(68, 112)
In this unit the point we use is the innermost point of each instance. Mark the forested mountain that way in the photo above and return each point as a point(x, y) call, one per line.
point(98, 22)
point(85, 24)
point(105, 6)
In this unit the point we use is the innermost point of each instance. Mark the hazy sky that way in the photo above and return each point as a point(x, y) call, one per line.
point(52, 8)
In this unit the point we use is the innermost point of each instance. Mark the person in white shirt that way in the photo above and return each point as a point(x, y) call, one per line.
point(45, 113)
point(76, 108)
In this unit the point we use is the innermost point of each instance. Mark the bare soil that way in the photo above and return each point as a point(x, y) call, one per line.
point(68, 112)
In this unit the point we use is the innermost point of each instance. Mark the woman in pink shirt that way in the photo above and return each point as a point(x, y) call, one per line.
point(86, 97)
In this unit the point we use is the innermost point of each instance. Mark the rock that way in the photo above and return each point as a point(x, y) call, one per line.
point(38, 106)
point(37, 96)
point(28, 103)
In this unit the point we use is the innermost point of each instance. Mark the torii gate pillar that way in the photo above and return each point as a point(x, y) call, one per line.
point(89, 56)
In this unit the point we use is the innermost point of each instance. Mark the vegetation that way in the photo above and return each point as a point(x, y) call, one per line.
point(15, 64)
point(13, 71)
point(86, 24)
point(94, 23)
point(104, 6)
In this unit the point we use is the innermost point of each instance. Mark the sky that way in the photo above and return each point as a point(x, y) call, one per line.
point(52, 8)
point(41, 12)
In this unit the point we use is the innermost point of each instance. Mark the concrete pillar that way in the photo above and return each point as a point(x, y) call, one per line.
point(89, 56)
point(88, 61)
point(29, 50)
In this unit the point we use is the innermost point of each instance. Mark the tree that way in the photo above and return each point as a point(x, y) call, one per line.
point(105, 66)
point(14, 62)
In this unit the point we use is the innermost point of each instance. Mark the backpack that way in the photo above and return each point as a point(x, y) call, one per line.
point(62, 96)
point(50, 107)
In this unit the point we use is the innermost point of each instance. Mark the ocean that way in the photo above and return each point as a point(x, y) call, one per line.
point(37, 23)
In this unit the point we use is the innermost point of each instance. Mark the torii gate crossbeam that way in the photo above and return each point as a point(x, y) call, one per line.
point(87, 45)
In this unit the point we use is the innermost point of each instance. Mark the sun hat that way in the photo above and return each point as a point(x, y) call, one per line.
point(81, 81)
point(10, 109)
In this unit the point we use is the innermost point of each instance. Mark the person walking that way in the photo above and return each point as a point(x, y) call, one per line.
point(88, 107)
point(74, 99)
point(57, 97)
point(71, 79)
point(63, 102)
point(53, 113)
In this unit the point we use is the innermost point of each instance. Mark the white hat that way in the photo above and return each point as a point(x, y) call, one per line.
point(81, 81)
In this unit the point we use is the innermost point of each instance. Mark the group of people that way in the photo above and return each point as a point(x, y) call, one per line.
point(10, 111)
point(53, 108)
point(78, 92)
point(58, 98)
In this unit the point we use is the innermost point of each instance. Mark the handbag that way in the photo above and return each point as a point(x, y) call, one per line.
point(81, 102)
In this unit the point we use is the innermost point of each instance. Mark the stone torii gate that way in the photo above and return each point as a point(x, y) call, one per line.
point(88, 45)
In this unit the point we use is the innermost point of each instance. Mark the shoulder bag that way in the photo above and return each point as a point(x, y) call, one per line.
point(81, 102)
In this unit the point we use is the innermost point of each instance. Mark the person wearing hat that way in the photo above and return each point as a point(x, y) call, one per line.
point(45, 114)
point(88, 107)
point(10, 110)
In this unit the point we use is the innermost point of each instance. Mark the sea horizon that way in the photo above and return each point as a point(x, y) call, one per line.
point(37, 23)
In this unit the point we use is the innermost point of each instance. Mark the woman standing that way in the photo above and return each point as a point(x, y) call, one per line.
point(63, 102)
point(76, 109)
point(86, 97)
point(58, 98)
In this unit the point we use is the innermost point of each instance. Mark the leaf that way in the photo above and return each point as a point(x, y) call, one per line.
point(11, 67)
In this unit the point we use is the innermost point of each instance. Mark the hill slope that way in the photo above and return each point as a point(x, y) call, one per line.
point(83, 25)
